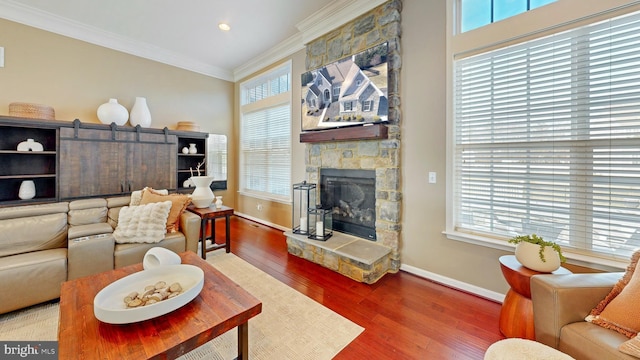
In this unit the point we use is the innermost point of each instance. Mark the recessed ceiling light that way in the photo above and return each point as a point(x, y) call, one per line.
point(224, 27)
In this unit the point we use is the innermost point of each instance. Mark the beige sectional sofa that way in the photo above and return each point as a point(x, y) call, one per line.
point(41, 246)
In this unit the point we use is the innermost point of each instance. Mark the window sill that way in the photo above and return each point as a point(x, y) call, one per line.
point(573, 258)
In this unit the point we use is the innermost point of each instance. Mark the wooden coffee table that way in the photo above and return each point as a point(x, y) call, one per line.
point(221, 306)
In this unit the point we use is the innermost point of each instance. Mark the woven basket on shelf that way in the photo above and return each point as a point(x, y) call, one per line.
point(187, 126)
point(33, 111)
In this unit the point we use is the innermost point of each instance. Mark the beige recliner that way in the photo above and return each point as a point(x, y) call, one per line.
point(560, 305)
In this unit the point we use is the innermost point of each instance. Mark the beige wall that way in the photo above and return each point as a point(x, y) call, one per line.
point(75, 77)
point(423, 92)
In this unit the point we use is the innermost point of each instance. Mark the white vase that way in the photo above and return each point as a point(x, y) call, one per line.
point(193, 149)
point(140, 114)
point(29, 145)
point(218, 202)
point(528, 255)
point(202, 196)
point(159, 256)
point(27, 190)
point(112, 112)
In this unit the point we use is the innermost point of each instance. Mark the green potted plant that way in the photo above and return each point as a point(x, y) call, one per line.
point(535, 253)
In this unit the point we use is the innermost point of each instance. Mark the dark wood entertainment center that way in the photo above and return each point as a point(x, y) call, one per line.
point(87, 159)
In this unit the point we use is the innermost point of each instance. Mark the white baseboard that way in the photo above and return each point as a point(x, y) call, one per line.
point(261, 221)
point(481, 292)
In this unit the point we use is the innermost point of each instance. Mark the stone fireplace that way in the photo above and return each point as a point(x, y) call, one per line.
point(373, 205)
point(350, 194)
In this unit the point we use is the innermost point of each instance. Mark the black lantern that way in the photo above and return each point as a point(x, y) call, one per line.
point(304, 197)
point(320, 223)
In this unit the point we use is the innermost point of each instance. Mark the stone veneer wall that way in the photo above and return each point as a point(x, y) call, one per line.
point(375, 27)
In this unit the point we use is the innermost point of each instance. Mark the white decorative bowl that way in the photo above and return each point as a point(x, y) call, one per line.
point(528, 255)
point(109, 306)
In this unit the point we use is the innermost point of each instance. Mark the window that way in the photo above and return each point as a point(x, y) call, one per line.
point(475, 13)
point(348, 105)
point(217, 156)
point(367, 105)
point(327, 96)
point(547, 139)
point(336, 90)
point(265, 135)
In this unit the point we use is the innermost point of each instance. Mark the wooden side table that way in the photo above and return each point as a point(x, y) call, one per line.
point(211, 214)
point(516, 315)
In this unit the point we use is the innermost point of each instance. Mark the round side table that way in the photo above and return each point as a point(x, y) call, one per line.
point(516, 315)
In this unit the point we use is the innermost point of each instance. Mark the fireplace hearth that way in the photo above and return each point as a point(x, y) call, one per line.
point(350, 195)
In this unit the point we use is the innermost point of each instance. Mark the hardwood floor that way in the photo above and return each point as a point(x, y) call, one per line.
point(404, 316)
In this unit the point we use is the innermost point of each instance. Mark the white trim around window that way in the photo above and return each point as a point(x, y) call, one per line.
point(501, 143)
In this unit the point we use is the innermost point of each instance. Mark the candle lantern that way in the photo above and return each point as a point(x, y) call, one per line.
point(304, 197)
point(320, 223)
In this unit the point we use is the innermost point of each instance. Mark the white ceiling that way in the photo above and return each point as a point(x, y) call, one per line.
point(185, 33)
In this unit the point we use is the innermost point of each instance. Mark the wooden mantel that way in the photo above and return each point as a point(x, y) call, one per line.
point(364, 132)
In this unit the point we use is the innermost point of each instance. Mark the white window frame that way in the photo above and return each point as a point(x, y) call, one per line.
point(250, 104)
point(539, 22)
point(349, 107)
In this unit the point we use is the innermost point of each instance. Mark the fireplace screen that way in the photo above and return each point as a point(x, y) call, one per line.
point(350, 194)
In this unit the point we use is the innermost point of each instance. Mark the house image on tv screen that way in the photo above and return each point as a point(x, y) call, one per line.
point(347, 92)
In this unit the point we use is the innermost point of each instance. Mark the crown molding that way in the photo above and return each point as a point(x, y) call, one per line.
point(277, 53)
point(326, 19)
point(333, 16)
point(26, 15)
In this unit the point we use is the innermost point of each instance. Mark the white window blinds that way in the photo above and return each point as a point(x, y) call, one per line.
point(547, 139)
point(265, 136)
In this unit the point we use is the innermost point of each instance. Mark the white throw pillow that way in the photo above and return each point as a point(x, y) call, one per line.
point(142, 224)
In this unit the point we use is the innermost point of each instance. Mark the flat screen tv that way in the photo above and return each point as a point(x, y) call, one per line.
point(350, 91)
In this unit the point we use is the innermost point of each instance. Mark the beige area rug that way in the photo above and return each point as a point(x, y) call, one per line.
point(291, 325)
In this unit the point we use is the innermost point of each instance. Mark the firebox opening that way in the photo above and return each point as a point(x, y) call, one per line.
point(351, 196)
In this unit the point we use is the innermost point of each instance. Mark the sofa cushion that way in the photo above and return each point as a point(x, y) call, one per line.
point(583, 340)
point(179, 203)
point(87, 211)
point(115, 204)
point(631, 347)
point(143, 223)
point(33, 233)
point(128, 254)
point(16, 212)
point(31, 278)
point(79, 231)
point(620, 309)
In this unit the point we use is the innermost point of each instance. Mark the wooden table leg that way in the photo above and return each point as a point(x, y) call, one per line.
point(243, 341)
point(228, 234)
point(203, 244)
point(213, 232)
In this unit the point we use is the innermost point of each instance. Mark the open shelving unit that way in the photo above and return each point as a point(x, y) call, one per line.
point(18, 166)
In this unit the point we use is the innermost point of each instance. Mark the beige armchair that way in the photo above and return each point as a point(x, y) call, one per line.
point(560, 305)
